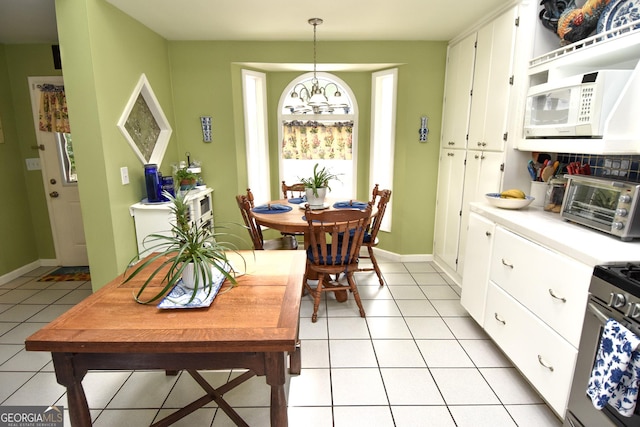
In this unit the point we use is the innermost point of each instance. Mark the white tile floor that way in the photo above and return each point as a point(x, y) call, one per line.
point(416, 360)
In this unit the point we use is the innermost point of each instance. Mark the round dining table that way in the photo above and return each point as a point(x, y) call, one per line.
point(293, 221)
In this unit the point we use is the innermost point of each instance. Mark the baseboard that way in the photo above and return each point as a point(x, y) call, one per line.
point(402, 258)
point(6, 278)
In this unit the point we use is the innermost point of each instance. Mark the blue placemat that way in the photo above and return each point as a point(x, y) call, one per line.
point(271, 209)
point(298, 200)
point(350, 204)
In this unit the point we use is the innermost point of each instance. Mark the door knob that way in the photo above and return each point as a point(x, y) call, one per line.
point(38, 147)
point(54, 194)
point(53, 181)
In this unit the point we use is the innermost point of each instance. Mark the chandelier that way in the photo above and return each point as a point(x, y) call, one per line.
point(303, 100)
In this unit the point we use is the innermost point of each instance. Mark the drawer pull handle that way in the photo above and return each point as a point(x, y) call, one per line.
point(546, 365)
point(506, 264)
point(563, 299)
point(499, 319)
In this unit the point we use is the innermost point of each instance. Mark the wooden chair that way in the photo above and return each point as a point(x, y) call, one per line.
point(250, 198)
point(294, 190)
point(345, 229)
point(290, 192)
point(255, 232)
point(371, 237)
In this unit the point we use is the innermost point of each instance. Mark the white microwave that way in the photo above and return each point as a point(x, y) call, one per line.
point(573, 107)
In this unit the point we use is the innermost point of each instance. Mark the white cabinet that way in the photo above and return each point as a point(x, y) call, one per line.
point(457, 92)
point(449, 203)
point(530, 299)
point(475, 277)
point(482, 175)
point(553, 286)
point(156, 218)
point(545, 358)
point(479, 115)
point(492, 83)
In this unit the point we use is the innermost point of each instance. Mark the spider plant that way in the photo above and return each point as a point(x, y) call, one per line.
point(187, 243)
point(319, 179)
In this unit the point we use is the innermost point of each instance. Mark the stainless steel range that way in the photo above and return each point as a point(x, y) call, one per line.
point(614, 293)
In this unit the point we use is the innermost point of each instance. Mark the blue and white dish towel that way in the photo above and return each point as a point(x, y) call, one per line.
point(616, 373)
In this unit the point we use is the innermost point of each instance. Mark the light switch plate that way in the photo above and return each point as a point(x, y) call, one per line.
point(124, 175)
point(33, 164)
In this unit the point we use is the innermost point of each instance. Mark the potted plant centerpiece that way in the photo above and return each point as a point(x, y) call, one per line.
point(191, 251)
point(317, 185)
point(186, 179)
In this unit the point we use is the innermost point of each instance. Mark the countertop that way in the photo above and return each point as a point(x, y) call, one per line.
point(549, 229)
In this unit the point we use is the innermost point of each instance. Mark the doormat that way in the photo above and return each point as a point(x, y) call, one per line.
point(65, 274)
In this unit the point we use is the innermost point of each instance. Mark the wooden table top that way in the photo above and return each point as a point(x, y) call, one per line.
point(291, 221)
point(259, 314)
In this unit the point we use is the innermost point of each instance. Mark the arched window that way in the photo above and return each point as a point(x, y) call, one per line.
point(324, 134)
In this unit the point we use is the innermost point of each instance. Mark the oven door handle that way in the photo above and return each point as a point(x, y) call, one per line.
point(598, 313)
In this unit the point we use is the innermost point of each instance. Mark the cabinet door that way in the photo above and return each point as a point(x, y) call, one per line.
point(483, 174)
point(448, 206)
point(543, 356)
point(552, 285)
point(491, 83)
point(475, 273)
point(457, 93)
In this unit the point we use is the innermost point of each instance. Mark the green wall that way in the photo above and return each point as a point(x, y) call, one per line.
point(104, 52)
point(206, 81)
point(25, 233)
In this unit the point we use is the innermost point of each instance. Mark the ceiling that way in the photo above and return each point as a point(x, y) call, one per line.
point(33, 21)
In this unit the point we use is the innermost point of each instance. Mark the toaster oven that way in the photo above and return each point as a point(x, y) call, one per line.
point(604, 204)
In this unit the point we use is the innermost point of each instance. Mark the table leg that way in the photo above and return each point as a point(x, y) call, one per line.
point(275, 373)
point(67, 376)
point(295, 360)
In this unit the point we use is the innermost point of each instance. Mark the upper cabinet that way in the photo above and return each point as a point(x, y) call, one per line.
point(460, 64)
point(616, 47)
point(492, 82)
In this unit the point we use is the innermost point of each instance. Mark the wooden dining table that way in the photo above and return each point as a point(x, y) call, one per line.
point(293, 221)
point(253, 326)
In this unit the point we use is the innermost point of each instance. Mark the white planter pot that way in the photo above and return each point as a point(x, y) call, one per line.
point(316, 201)
point(189, 277)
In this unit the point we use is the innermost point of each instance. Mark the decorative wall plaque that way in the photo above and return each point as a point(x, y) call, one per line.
point(144, 124)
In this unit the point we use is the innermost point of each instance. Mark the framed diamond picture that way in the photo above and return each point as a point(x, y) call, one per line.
point(144, 124)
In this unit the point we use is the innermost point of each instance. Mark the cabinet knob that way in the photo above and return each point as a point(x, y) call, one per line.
point(545, 364)
point(555, 296)
point(487, 233)
point(506, 264)
point(476, 156)
point(450, 154)
point(451, 143)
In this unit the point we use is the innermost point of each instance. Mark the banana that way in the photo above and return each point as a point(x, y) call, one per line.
point(513, 194)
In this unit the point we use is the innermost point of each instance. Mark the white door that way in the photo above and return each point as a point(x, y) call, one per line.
point(60, 185)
